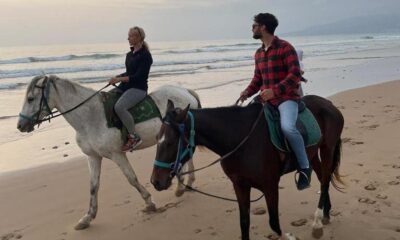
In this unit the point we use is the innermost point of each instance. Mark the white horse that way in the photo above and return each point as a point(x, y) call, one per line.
point(93, 136)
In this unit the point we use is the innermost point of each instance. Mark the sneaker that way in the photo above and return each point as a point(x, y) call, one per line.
point(304, 178)
point(133, 142)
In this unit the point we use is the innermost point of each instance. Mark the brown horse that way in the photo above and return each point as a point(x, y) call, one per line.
point(255, 164)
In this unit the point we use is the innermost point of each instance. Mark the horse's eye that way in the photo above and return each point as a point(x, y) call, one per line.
point(30, 99)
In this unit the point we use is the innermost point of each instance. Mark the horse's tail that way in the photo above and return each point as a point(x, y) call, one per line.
point(194, 94)
point(336, 177)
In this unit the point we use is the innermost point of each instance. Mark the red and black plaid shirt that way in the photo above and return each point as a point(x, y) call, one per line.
point(276, 68)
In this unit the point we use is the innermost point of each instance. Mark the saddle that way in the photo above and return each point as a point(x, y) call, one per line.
point(306, 124)
point(143, 111)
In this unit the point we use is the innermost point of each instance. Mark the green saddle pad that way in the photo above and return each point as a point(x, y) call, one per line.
point(306, 124)
point(143, 111)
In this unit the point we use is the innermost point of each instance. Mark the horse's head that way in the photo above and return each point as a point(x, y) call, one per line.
point(37, 104)
point(174, 148)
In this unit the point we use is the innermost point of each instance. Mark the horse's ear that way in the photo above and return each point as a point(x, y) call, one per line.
point(184, 112)
point(170, 105)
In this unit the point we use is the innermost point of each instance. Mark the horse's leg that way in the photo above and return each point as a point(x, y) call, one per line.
point(192, 178)
point(243, 196)
point(94, 163)
point(324, 205)
point(272, 198)
point(180, 189)
point(122, 161)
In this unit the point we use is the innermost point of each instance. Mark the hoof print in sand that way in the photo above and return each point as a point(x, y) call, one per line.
point(370, 187)
point(334, 213)
point(394, 183)
point(381, 196)
point(299, 223)
point(366, 200)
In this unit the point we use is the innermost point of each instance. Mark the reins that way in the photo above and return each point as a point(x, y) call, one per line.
point(51, 116)
point(215, 196)
point(244, 140)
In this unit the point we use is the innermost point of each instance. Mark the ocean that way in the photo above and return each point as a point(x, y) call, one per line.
point(98, 62)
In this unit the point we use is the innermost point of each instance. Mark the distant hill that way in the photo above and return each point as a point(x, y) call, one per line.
point(356, 25)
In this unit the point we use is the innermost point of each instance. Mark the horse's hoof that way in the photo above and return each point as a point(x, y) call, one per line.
point(150, 208)
point(326, 221)
point(317, 232)
point(289, 236)
point(81, 226)
point(179, 192)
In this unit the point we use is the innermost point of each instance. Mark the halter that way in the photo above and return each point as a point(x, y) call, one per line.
point(182, 152)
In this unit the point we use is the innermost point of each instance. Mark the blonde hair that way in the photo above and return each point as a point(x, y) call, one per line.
point(142, 35)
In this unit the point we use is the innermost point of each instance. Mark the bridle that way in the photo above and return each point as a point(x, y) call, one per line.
point(44, 105)
point(183, 151)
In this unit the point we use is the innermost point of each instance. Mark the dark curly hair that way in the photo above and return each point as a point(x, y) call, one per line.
point(268, 20)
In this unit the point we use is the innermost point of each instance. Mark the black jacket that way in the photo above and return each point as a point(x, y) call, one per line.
point(137, 68)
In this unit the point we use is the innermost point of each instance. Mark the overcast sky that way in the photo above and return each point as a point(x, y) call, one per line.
point(32, 22)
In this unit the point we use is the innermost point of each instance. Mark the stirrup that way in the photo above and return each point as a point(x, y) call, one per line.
point(297, 182)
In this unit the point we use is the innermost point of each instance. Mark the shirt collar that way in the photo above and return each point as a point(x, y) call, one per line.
point(274, 43)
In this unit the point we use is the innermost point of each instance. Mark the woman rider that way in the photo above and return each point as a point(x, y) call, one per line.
point(133, 83)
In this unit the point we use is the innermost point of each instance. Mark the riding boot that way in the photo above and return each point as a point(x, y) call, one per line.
point(304, 178)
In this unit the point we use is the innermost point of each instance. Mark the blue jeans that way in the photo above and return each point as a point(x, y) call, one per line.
point(288, 111)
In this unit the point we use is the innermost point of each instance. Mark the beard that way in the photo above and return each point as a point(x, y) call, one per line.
point(257, 35)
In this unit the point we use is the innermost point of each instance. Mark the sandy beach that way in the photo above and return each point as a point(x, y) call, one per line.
point(46, 202)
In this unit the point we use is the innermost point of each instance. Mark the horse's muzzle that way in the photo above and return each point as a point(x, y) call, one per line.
point(25, 125)
point(159, 186)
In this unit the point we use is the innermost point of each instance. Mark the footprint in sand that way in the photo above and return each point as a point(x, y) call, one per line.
point(197, 231)
point(355, 180)
point(10, 236)
point(121, 204)
point(370, 187)
point(273, 237)
point(394, 183)
point(334, 213)
point(371, 127)
point(398, 177)
point(346, 140)
point(366, 200)
point(357, 143)
point(396, 166)
point(259, 211)
point(381, 196)
point(299, 223)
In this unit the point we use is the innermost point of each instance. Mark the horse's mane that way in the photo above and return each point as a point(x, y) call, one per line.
point(67, 84)
point(228, 110)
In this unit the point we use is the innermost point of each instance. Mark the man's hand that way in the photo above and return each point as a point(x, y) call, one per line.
point(267, 94)
point(113, 80)
point(243, 96)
